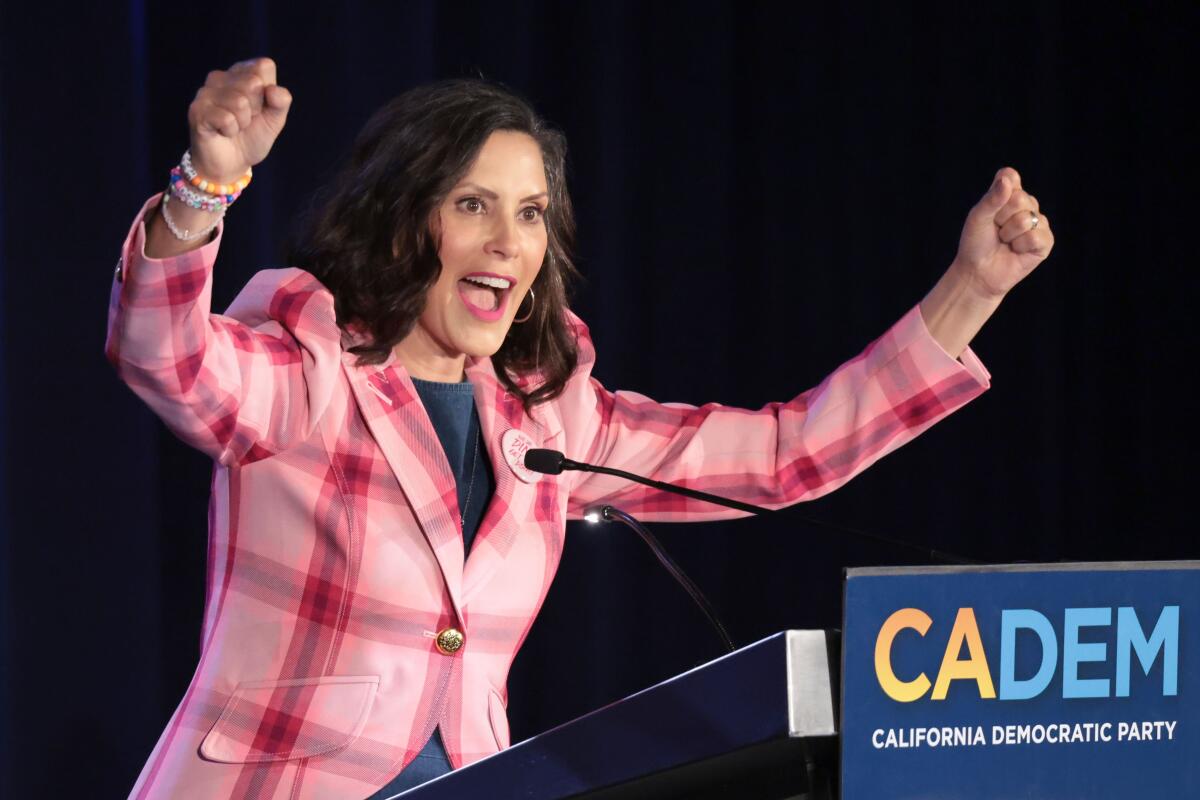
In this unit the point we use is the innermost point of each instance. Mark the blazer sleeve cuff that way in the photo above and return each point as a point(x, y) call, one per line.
point(912, 334)
point(150, 297)
point(135, 267)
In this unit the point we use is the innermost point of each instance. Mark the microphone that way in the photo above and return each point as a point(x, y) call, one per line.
point(552, 462)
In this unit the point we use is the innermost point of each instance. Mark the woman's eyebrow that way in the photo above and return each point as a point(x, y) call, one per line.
point(490, 195)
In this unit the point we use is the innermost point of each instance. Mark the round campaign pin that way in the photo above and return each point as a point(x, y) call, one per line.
point(515, 445)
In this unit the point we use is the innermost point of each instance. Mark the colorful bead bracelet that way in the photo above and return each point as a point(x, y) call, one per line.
point(204, 201)
point(212, 187)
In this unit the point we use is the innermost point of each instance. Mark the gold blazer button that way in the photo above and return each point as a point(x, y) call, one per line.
point(449, 640)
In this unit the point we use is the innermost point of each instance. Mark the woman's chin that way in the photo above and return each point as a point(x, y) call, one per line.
point(483, 344)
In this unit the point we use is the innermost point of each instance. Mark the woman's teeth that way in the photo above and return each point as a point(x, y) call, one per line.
point(487, 280)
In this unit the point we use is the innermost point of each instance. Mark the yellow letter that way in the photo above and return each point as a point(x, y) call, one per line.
point(898, 690)
point(974, 667)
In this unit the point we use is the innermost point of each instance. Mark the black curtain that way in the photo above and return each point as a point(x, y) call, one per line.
point(761, 190)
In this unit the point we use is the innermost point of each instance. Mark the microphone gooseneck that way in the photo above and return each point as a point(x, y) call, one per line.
point(555, 462)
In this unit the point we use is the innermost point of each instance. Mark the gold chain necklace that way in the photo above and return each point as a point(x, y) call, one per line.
point(462, 514)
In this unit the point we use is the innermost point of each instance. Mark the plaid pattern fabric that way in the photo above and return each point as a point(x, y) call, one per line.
point(335, 553)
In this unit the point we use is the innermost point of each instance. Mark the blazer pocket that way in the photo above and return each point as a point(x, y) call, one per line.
point(498, 716)
point(286, 719)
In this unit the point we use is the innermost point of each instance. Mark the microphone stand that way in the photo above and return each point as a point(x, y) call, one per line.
point(553, 462)
point(611, 513)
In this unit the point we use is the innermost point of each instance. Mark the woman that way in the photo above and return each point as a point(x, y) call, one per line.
point(368, 416)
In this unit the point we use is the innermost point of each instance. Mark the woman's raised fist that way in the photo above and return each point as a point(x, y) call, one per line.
point(235, 118)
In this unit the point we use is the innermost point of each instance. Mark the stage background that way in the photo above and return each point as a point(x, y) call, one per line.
point(761, 189)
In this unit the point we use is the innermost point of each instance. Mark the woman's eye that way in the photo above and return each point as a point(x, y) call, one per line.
point(472, 205)
point(531, 214)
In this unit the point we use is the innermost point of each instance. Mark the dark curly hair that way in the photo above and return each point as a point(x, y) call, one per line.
point(368, 238)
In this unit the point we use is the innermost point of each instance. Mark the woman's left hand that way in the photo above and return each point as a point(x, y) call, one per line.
point(1005, 237)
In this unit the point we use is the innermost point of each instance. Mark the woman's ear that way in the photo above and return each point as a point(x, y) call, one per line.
point(433, 229)
point(435, 223)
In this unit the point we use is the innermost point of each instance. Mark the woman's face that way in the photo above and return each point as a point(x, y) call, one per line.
point(492, 240)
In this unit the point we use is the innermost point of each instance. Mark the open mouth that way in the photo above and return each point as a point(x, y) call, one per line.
point(484, 295)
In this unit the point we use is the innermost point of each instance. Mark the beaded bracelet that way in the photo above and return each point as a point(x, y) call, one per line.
point(211, 187)
point(184, 193)
point(185, 235)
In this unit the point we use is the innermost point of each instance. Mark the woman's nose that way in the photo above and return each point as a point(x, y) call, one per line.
point(504, 241)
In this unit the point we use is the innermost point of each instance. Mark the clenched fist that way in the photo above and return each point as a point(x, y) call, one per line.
point(235, 118)
point(1005, 236)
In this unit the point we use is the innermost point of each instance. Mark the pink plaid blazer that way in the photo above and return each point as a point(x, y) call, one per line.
point(335, 551)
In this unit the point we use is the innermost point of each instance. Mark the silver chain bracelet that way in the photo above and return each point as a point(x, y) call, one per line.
point(185, 235)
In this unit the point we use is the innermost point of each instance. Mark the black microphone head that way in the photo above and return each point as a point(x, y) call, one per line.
point(540, 460)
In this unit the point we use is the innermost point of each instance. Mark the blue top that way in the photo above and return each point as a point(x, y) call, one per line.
point(451, 409)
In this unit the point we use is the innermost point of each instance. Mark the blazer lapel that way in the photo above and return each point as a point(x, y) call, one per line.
point(502, 421)
point(404, 433)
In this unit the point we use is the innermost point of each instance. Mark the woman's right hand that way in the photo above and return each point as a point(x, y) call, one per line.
point(235, 118)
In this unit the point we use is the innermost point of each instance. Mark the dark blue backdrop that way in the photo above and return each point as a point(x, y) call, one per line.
point(761, 189)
